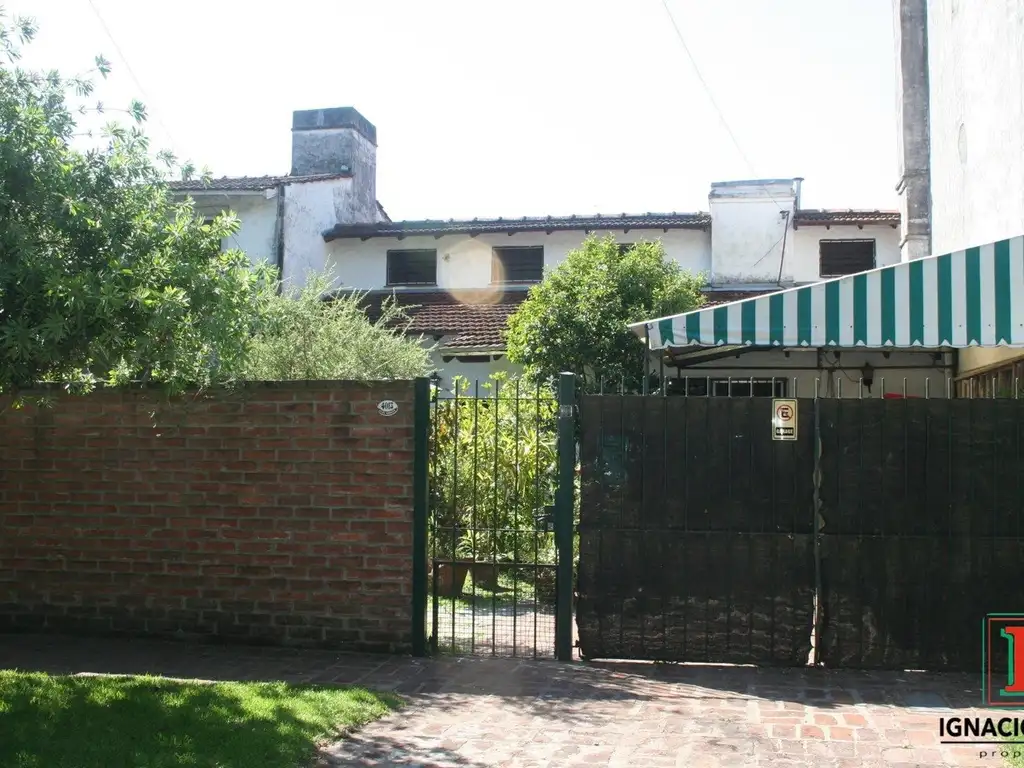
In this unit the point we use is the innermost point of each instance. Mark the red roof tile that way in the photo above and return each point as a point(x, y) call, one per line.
point(466, 319)
point(824, 218)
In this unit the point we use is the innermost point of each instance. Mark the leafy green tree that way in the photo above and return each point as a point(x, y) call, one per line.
point(304, 336)
point(103, 277)
point(576, 318)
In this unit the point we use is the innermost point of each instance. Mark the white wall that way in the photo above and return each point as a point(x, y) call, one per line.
point(845, 372)
point(976, 76)
point(746, 241)
point(465, 262)
point(257, 216)
point(802, 255)
point(472, 372)
point(309, 209)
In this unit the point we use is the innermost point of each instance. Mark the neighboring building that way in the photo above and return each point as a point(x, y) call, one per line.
point(464, 278)
point(961, 86)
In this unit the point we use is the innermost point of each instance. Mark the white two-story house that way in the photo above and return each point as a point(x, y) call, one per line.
point(464, 278)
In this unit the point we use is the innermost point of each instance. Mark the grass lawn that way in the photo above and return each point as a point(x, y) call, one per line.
point(150, 722)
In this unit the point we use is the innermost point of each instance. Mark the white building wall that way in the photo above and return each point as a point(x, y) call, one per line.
point(257, 217)
point(976, 75)
point(802, 252)
point(464, 262)
point(472, 372)
point(748, 221)
point(310, 208)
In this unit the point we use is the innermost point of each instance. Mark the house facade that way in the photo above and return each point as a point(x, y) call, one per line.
point(462, 279)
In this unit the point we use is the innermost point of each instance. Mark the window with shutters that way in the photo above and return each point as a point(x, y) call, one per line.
point(412, 267)
point(517, 264)
point(845, 257)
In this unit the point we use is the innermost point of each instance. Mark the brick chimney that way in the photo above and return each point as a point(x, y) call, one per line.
point(339, 140)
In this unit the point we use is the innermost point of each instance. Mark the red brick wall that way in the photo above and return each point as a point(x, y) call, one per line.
point(278, 513)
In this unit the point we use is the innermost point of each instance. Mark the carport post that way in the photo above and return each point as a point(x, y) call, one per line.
point(564, 514)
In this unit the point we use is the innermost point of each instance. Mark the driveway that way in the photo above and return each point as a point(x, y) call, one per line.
point(501, 712)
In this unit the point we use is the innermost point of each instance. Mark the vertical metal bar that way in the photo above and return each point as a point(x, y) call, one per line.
point(816, 652)
point(433, 514)
point(494, 523)
point(538, 511)
point(647, 360)
point(456, 417)
point(860, 516)
point(515, 526)
point(420, 497)
point(665, 497)
point(661, 373)
point(686, 516)
point(623, 459)
point(473, 521)
point(730, 538)
point(642, 601)
point(564, 514)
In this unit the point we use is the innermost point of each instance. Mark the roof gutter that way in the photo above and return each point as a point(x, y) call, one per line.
point(279, 236)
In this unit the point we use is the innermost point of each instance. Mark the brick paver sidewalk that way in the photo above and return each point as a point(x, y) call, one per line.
point(498, 712)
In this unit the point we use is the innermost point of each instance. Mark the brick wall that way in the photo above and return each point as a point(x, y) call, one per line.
point(278, 513)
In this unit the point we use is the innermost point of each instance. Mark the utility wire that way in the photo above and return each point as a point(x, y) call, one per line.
point(142, 92)
point(711, 98)
point(127, 66)
point(732, 136)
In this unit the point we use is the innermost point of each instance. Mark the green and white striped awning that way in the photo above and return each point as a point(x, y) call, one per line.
point(968, 298)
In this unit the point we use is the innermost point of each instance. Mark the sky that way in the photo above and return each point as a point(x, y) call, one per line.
point(532, 107)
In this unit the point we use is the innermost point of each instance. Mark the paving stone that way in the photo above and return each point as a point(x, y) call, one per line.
point(473, 712)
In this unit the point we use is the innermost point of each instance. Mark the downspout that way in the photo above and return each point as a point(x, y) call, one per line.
point(279, 237)
point(782, 256)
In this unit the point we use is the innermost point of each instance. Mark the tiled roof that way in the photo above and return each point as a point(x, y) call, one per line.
point(466, 319)
point(248, 183)
point(547, 224)
point(714, 298)
point(475, 320)
point(824, 218)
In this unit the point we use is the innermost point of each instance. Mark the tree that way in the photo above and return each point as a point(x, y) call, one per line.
point(576, 319)
point(103, 277)
point(307, 334)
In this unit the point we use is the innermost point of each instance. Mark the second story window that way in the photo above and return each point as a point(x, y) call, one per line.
point(412, 267)
point(845, 257)
point(518, 264)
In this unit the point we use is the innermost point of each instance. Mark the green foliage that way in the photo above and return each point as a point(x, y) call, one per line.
point(493, 471)
point(103, 278)
point(98, 721)
point(304, 336)
point(575, 320)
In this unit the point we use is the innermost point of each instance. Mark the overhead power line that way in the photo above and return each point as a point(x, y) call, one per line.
point(714, 102)
point(142, 92)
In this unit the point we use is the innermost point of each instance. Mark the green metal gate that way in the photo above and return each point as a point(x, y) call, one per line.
point(494, 519)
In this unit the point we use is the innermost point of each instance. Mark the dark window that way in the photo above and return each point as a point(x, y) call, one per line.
point(517, 264)
point(846, 257)
point(624, 248)
point(697, 386)
point(412, 267)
